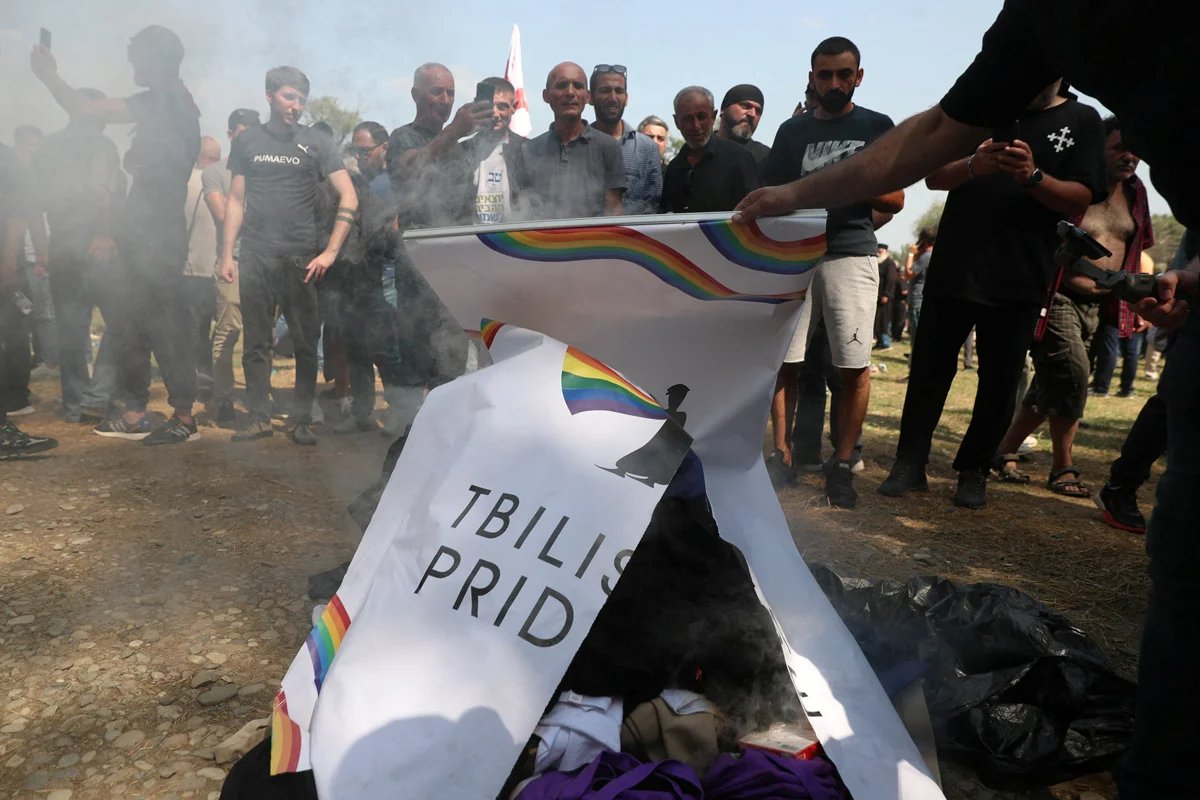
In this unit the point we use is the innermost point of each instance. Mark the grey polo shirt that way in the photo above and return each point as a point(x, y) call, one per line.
point(569, 179)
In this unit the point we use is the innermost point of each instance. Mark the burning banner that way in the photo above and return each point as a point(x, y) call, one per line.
point(674, 327)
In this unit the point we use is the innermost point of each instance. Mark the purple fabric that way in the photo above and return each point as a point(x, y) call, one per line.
point(758, 775)
point(615, 775)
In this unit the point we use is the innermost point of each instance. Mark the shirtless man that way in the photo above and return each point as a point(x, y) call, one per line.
point(1059, 388)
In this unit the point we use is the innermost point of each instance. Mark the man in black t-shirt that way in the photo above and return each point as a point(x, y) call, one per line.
point(992, 269)
point(152, 231)
point(1092, 44)
point(709, 173)
point(741, 111)
point(845, 286)
point(277, 168)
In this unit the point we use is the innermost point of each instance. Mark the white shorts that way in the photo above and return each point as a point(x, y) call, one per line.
point(795, 351)
point(843, 297)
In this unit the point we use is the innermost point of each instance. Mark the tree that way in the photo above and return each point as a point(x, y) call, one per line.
point(329, 110)
point(931, 217)
point(674, 145)
point(1167, 235)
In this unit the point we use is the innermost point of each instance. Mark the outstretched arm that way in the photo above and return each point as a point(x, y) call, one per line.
point(77, 106)
point(899, 158)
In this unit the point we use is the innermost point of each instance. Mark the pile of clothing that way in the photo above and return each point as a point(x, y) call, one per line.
point(680, 664)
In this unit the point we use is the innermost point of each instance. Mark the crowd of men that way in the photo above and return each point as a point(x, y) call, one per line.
point(286, 228)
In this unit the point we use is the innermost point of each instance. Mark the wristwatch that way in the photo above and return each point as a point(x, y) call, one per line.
point(1035, 178)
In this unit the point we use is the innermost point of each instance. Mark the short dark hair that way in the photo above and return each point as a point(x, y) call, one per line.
point(1111, 123)
point(501, 84)
point(160, 46)
point(835, 46)
point(321, 126)
point(379, 134)
point(243, 116)
point(926, 236)
point(280, 77)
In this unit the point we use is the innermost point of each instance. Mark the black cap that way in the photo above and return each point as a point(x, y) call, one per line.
point(244, 116)
point(743, 91)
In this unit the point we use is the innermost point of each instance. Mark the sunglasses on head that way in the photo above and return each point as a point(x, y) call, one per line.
point(601, 69)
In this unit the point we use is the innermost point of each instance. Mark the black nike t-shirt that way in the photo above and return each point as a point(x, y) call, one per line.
point(996, 242)
point(806, 144)
point(282, 172)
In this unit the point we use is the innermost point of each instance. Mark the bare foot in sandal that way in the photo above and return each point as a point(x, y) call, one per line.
point(1068, 487)
point(1005, 470)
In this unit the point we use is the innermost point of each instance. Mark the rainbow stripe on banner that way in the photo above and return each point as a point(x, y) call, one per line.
point(326, 638)
point(488, 329)
point(747, 246)
point(618, 243)
point(285, 738)
point(589, 385)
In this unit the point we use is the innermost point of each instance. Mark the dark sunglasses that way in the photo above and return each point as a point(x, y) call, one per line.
point(601, 69)
point(364, 151)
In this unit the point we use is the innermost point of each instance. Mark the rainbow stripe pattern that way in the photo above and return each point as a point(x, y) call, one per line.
point(285, 738)
point(614, 242)
point(589, 385)
point(747, 246)
point(326, 638)
point(488, 329)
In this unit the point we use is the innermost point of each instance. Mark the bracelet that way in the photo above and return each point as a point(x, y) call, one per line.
point(971, 166)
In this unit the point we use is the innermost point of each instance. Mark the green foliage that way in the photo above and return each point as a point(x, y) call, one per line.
point(674, 145)
point(931, 217)
point(1167, 235)
point(330, 110)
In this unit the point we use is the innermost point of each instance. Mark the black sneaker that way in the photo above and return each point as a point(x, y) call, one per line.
point(1125, 394)
point(120, 428)
point(781, 474)
point(972, 489)
point(255, 429)
point(302, 433)
point(354, 424)
point(1120, 508)
point(15, 442)
point(226, 417)
point(904, 478)
point(839, 485)
point(173, 431)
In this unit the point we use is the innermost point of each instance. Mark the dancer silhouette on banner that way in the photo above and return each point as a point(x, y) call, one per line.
point(655, 462)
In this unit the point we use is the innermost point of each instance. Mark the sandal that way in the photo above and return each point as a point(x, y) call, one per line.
point(1070, 487)
point(1003, 472)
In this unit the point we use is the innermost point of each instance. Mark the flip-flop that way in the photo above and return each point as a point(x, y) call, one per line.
point(1070, 487)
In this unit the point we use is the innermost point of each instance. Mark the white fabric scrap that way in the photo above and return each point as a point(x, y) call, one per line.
point(683, 702)
point(576, 730)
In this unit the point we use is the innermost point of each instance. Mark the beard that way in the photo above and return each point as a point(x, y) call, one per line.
point(835, 100)
point(741, 132)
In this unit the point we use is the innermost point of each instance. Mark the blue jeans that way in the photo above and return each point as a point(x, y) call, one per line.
point(1108, 345)
point(914, 314)
point(77, 286)
point(1167, 727)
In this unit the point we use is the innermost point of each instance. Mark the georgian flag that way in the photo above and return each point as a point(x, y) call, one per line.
point(520, 123)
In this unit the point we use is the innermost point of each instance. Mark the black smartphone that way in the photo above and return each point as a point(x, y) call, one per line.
point(44, 38)
point(485, 93)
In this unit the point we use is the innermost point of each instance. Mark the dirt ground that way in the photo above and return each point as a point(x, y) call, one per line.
point(152, 598)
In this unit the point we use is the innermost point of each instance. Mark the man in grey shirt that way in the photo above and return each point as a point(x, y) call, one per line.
point(572, 170)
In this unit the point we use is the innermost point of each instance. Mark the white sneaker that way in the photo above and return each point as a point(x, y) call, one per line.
point(318, 416)
point(22, 412)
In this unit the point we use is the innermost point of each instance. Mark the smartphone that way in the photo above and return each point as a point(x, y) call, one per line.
point(44, 38)
point(485, 93)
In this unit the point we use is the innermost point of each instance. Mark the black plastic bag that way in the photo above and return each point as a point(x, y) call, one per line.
point(1014, 689)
